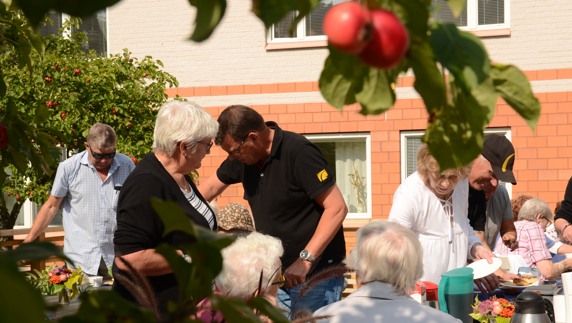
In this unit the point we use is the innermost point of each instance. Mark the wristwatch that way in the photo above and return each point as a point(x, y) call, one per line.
point(305, 255)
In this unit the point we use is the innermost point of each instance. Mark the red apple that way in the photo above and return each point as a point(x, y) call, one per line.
point(55, 104)
point(389, 40)
point(49, 104)
point(348, 26)
point(129, 124)
point(63, 115)
point(134, 160)
point(18, 197)
point(3, 136)
point(113, 111)
point(76, 72)
point(48, 79)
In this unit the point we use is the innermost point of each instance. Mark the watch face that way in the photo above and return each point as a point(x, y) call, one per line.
point(304, 254)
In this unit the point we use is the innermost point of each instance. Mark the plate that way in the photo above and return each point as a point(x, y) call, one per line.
point(482, 268)
point(510, 284)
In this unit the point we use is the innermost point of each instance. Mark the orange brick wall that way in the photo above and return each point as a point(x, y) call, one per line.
point(543, 157)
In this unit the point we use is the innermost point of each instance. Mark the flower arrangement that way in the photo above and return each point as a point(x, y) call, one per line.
point(58, 280)
point(492, 310)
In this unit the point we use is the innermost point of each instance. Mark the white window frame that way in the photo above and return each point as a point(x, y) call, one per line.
point(406, 135)
point(473, 17)
point(349, 136)
point(472, 7)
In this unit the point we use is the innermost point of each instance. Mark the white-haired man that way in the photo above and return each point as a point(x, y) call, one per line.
point(388, 260)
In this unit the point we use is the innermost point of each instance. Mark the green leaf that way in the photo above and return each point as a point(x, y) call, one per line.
point(429, 82)
point(337, 79)
point(264, 307)
point(461, 53)
point(209, 14)
point(19, 301)
point(376, 95)
point(513, 86)
point(35, 10)
point(452, 127)
point(35, 251)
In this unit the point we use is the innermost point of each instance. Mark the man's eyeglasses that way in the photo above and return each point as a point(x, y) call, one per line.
point(236, 151)
point(281, 281)
point(100, 155)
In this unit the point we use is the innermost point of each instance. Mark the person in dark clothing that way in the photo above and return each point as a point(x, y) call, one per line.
point(182, 138)
point(292, 196)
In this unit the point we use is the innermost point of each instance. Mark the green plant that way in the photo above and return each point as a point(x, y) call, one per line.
point(48, 111)
point(58, 280)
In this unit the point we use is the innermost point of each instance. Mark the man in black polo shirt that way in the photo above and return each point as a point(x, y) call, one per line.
point(292, 196)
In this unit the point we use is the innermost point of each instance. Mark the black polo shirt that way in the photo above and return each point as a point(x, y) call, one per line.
point(281, 194)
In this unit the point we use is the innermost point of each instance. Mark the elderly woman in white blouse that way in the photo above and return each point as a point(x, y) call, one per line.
point(434, 205)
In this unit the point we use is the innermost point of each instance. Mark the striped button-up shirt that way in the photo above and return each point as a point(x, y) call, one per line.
point(89, 208)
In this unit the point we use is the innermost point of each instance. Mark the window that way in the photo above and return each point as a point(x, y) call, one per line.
point(310, 28)
point(348, 157)
point(94, 26)
point(411, 141)
point(477, 15)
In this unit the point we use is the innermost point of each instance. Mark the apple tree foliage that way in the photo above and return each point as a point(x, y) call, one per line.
point(54, 105)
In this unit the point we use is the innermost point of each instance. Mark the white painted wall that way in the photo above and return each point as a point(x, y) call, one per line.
point(541, 38)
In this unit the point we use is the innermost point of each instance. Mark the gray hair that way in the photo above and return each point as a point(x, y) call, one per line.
point(387, 252)
point(533, 207)
point(180, 121)
point(101, 136)
point(243, 262)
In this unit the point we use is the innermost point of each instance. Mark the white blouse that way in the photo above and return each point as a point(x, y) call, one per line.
point(446, 244)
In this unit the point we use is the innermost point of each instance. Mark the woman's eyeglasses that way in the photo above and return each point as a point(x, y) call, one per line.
point(281, 281)
point(100, 155)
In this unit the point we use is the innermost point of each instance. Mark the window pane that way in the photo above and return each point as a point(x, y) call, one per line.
point(347, 160)
point(441, 11)
point(281, 29)
point(491, 12)
point(413, 144)
point(49, 28)
point(94, 27)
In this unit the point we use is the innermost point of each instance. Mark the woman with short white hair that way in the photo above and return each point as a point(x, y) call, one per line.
point(388, 260)
point(182, 138)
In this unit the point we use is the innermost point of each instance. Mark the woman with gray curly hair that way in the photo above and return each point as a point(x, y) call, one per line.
point(433, 203)
point(388, 262)
point(182, 138)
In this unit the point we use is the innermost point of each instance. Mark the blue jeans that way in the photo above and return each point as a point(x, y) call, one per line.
point(320, 295)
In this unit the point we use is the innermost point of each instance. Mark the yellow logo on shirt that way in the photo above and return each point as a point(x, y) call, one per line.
point(322, 175)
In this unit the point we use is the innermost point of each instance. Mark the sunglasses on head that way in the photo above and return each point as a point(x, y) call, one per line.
point(101, 156)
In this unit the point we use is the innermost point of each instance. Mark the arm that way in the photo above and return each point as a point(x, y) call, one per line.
point(550, 270)
point(147, 262)
point(212, 187)
point(44, 217)
point(564, 229)
point(335, 211)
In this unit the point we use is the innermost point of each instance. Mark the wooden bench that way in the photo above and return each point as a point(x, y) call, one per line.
point(54, 234)
point(351, 284)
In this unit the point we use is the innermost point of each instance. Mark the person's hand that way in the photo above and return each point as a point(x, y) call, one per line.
point(296, 273)
point(482, 252)
point(509, 240)
point(488, 283)
point(505, 276)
